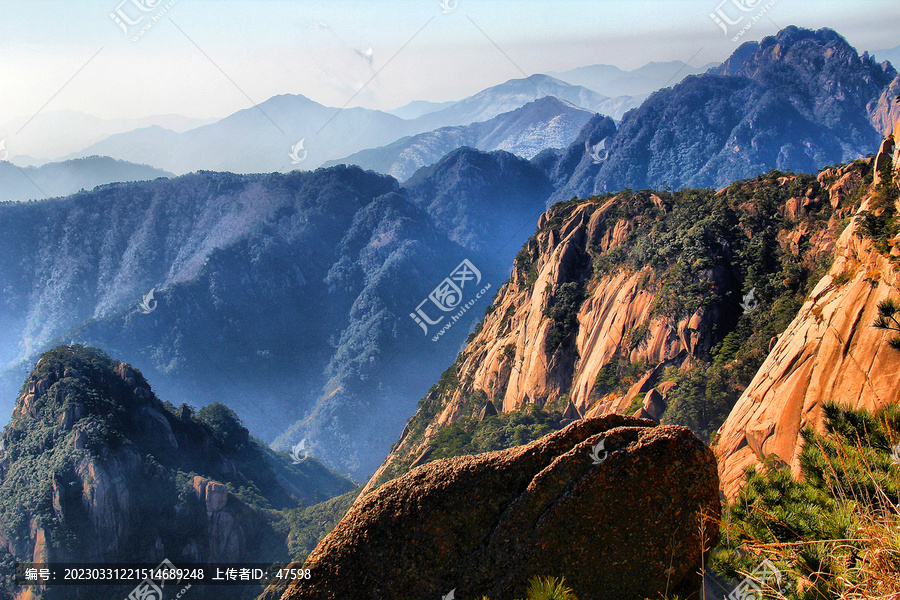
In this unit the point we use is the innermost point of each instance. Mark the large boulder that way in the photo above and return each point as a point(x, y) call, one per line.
point(622, 521)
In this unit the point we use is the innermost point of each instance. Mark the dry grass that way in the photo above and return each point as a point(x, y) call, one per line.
point(851, 482)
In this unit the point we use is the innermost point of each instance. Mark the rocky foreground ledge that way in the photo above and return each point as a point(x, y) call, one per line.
point(618, 521)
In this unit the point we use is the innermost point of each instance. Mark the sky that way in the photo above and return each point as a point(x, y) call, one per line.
point(210, 58)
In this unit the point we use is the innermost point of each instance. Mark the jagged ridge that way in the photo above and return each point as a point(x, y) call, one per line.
point(650, 280)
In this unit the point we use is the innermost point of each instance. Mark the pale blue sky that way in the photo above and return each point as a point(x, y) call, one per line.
point(321, 48)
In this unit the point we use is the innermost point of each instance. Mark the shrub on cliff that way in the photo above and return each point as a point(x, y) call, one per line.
point(498, 432)
point(550, 588)
point(226, 426)
point(833, 533)
point(563, 311)
point(880, 223)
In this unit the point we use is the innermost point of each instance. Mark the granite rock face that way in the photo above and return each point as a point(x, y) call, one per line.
point(617, 521)
point(829, 353)
point(508, 362)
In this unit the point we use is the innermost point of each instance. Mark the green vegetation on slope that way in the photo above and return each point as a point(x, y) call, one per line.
point(309, 525)
point(498, 432)
point(93, 423)
point(687, 234)
point(881, 222)
point(833, 533)
point(563, 311)
point(708, 250)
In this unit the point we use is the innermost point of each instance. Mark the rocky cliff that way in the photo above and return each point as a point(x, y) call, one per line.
point(621, 303)
point(885, 111)
point(95, 468)
point(829, 352)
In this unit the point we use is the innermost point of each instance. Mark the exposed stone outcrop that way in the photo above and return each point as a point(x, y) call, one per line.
point(828, 353)
point(489, 410)
point(508, 359)
point(884, 156)
point(107, 453)
point(653, 407)
point(847, 180)
point(627, 526)
point(571, 413)
point(885, 111)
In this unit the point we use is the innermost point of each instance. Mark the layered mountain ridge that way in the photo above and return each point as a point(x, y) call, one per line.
point(798, 100)
point(63, 178)
point(638, 303)
point(261, 138)
point(279, 294)
point(545, 123)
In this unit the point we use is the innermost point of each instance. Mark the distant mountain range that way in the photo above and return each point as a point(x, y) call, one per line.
point(291, 131)
point(761, 110)
point(606, 80)
point(258, 139)
point(43, 138)
point(261, 139)
point(891, 54)
point(795, 101)
point(526, 131)
point(515, 93)
point(417, 108)
point(613, 81)
point(64, 178)
point(53, 136)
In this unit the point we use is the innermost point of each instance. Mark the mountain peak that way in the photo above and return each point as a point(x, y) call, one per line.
point(817, 72)
point(91, 451)
point(71, 368)
point(804, 49)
